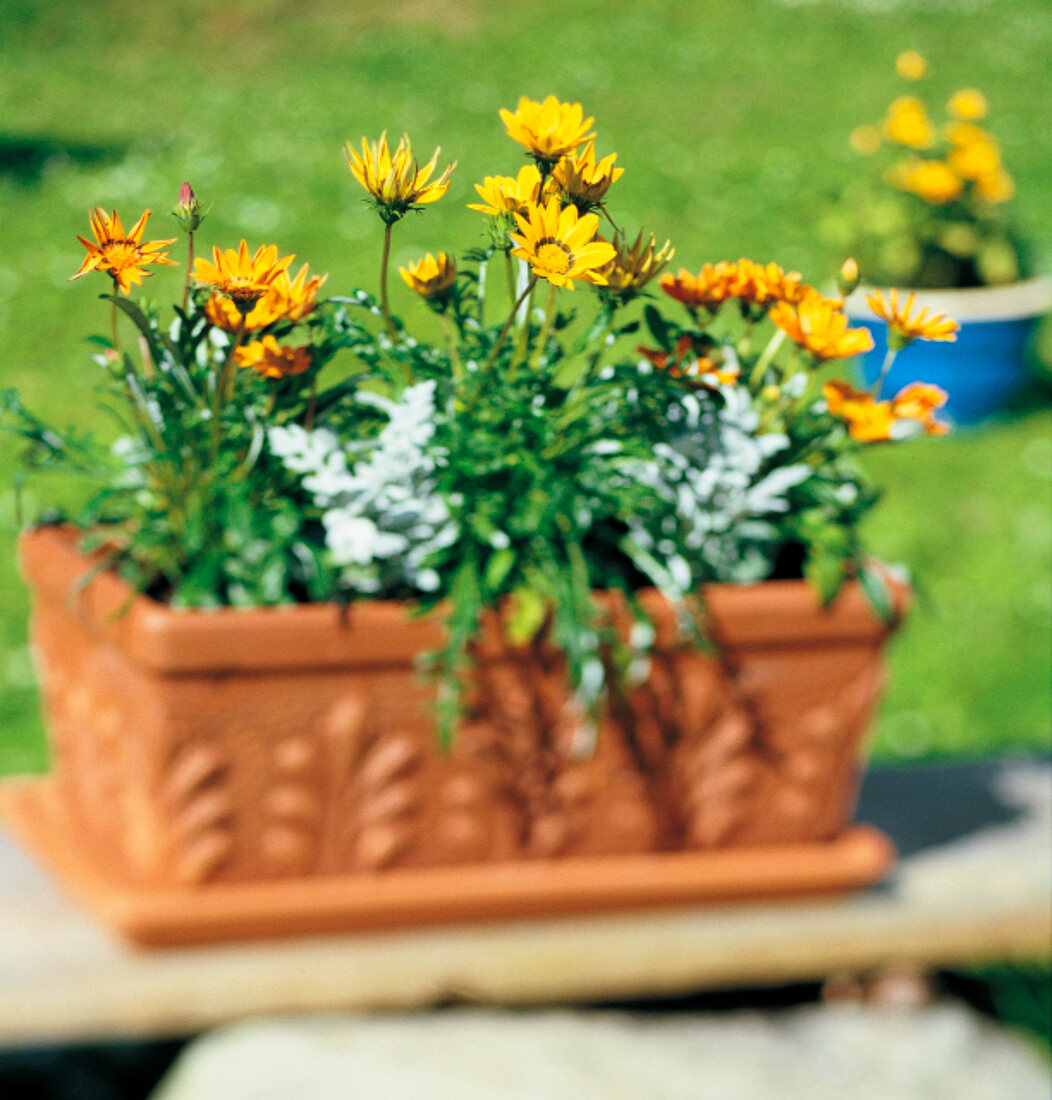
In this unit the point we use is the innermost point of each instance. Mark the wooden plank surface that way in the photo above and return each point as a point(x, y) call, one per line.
point(979, 888)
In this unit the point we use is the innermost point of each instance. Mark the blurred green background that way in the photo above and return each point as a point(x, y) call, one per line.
point(730, 120)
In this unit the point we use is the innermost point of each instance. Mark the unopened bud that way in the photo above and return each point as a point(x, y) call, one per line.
point(188, 211)
point(848, 277)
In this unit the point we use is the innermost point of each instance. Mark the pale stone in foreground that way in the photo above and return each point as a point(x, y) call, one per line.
point(943, 1052)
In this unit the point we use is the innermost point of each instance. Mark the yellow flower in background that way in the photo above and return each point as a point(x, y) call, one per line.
point(911, 65)
point(583, 180)
point(868, 420)
point(632, 267)
point(122, 256)
point(975, 159)
point(865, 140)
point(430, 277)
point(906, 326)
point(933, 180)
point(996, 187)
point(548, 130)
point(560, 245)
point(906, 123)
point(969, 105)
point(819, 326)
point(507, 195)
point(265, 357)
point(395, 180)
point(242, 278)
point(285, 300)
point(919, 401)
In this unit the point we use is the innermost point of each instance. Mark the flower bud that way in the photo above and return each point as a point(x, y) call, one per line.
point(848, 276)
point(188, 211)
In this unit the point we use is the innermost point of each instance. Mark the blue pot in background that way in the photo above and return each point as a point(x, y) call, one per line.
point(985, 369)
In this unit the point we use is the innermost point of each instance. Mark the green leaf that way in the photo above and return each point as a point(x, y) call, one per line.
point(878, 594)
point(658, 326)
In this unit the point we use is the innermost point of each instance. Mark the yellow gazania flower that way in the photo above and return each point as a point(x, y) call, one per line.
point(121, 255)
point(560, 245)
point(868, 420)
point(548, 130)
point(996, 187)
point(911, 65)
point(395, 180)
point(819, 326)
point(285, 300)
point(583, 180)
point(709, 289)
point(904, 325)
point(633, 267)
point(265, 357)
point(919, 401)
point(507, 195)
point(430, 278)
point(969, 105)
point(242, 278)
point(975, 159)
point(933, 180)
point(965, 133)
point(864, 140)
point(906, 123)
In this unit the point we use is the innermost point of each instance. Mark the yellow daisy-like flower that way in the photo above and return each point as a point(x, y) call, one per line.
point(430, 278)
point(507, 195)
point(122, 256)
point(395, 180)
point(265, 357)
point(548, 130)
point(904, 325)
point(919, 401)
point(560, 245)
point(969, 105)
point(906, 123)
point(242, 278)
point(583, 180)
point(285, 300)
point(911, 65)
point(933, 180)
point(996, 187)
point(819, 326)
point(632, 267)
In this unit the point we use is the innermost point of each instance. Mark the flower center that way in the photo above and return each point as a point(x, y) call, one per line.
point(554, 256)
point(121, 253)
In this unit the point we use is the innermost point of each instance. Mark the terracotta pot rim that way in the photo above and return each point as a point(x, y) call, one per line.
point(1007, 302)
point(766, 614)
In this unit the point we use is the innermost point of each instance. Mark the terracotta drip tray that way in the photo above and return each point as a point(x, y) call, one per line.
point(423, 896)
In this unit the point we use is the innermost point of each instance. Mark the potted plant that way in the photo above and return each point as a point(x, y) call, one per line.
point(935, 215)
point(528, 617)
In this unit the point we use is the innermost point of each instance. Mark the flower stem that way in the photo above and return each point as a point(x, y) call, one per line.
point(769, 352)
point(189, 264)
point(113, 318)
point(510, 268)
point(545, 328)
point(884, 368)
point(508, 323)
point(454, 358)
point(385, 304)
point(226, 376)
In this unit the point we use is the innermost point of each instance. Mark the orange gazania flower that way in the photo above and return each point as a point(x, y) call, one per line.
point(548, 130)
point(689, 361)
point(819, 326)
point(709, 289)
point(560, 245)
point(906, 326)
point(121, 255)
point(919, 401)
point(285, 300)
point(760, 285)
point(271, 361)
point(242, 278)
point(868, 420)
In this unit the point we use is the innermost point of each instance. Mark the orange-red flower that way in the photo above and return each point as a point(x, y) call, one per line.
point(871, 421)
point(752, 283)
point(271, 361)
point(819, 326)
point(919, 401)
point(122, 256)
point(285, 300)
point(690, 359)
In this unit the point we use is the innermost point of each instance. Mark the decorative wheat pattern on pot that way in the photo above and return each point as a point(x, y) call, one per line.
point(199, 809)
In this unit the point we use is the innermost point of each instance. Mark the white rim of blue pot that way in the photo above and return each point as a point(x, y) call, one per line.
point(1012, 302)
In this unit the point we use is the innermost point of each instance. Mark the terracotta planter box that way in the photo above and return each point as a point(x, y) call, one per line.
point(199, 757)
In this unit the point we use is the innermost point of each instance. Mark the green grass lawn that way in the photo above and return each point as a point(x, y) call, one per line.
point(730, 121)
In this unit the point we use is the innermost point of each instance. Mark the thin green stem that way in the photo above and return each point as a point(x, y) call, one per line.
point(769, 352)
point(226, 376)
point(542, 340)
point(508, 323)
point(113, 318)
point(884, 368)
point(509, 266)
point(189, 265)
point(454, 358)
point(385, 304)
